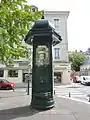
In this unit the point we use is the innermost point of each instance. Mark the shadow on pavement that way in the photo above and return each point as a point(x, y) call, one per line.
point(13, 113)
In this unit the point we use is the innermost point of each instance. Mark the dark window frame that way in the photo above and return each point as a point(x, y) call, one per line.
point(57, 53)
point(12, 73)
point(1, 73)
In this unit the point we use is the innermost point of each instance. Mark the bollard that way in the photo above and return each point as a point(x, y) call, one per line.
point(54, 92)
point(69, 94)
point(88, 97)
point(13, 89)
point(28, 88)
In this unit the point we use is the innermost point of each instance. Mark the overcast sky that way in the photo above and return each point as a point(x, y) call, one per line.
point(78, 20)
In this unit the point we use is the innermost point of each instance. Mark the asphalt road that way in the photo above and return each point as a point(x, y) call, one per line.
point(18, 108)
point(74, 91)
point(16, 105)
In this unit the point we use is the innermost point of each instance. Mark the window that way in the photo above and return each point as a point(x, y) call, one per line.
point(1, 73)
point(56, 23)
point(57, 53)
point(13, 73)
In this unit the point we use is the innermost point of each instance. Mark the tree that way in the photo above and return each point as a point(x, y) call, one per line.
point(15, 19)
point(76, 59)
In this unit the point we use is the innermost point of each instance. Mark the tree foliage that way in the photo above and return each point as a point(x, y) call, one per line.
point(76, 59)
point(15, 19)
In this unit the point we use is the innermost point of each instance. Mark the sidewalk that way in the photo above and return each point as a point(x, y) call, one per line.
point(17, 107)
point(72, 85)
point(25, 85)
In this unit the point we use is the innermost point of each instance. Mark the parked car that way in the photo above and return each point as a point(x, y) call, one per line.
point(85, 80)
point(76, 79)
point(5, 84)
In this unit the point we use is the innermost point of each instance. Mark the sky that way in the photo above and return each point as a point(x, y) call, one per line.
point(78, 22)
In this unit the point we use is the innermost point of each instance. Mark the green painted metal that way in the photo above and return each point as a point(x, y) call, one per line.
point(41, 37)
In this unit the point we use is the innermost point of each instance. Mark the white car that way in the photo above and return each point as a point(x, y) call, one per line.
point(85, 80)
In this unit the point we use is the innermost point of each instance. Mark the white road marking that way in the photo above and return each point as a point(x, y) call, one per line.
point(75, 99)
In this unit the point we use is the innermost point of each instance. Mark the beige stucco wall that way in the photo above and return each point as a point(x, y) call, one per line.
point(66, 77)
point(65, 69)
point(62, 30)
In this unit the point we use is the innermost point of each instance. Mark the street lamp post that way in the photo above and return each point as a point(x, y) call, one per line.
point(28, 80)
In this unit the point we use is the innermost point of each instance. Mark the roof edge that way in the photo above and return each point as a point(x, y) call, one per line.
point(58, 12)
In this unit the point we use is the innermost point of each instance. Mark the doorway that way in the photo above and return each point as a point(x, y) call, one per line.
point(58, 77)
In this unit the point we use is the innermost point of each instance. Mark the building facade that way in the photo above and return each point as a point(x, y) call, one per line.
point(61, 63)
point(61, 66)
point(85, 68)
